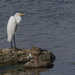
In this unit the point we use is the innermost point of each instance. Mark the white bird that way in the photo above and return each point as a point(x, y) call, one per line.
point(13, 22)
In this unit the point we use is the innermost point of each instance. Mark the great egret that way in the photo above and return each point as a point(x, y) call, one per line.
point(13, 22)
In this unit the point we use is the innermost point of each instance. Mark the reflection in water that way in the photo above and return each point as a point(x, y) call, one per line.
point(22, 71)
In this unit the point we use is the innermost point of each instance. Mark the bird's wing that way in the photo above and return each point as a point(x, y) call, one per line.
point(11, 27)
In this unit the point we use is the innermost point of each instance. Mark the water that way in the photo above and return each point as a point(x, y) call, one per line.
point(48, 24)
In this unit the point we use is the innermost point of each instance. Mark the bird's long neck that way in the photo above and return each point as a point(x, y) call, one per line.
point(18, 19)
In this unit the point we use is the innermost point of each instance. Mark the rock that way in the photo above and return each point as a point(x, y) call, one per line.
point(13, 56)
point(25, 71)
point(38, 64)
point(45, 58)
point(36, 51)
point(43, 55)
point(27, 57)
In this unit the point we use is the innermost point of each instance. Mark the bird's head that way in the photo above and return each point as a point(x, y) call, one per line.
point(18, 17)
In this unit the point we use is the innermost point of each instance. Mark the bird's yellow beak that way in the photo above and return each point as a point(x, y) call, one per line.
point(22, 14)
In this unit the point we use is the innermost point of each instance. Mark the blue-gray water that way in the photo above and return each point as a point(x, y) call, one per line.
point(48, 24)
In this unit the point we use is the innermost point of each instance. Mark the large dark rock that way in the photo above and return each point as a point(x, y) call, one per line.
point(27, 57)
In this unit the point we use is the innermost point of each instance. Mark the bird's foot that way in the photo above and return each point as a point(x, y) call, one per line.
point(13, 48)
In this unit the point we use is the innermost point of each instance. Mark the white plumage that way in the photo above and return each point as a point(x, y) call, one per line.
point(13, 22)
point(11, 27)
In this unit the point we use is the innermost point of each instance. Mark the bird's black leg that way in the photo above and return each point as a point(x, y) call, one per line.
point(11, 44)
point(14, 42)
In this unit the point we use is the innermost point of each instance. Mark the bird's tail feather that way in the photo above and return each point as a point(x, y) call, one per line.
point(9, 39)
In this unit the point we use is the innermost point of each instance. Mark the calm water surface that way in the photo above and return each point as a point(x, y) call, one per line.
point(48, 24)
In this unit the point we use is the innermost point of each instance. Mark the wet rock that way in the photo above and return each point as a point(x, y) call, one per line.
point(13, 56)
point(38, 64)
point(43, 55)
point(25, 71)
point(36, 51)
point(27, 57)
point(45, 58)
